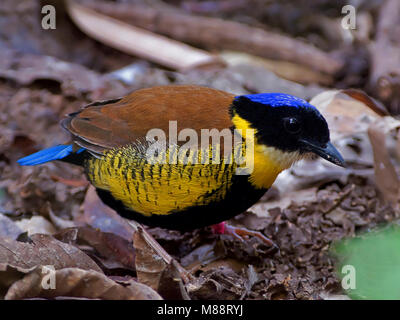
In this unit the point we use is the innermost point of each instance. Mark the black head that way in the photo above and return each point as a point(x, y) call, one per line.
point(287, 123)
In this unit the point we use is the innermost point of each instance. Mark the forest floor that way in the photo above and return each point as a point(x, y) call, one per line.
point(50, 216)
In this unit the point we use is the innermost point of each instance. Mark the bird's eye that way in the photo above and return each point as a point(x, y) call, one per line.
point(292, 125)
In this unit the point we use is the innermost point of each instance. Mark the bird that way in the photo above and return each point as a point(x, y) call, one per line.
point(109, 139)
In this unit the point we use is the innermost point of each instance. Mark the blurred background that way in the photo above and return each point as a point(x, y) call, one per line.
point(344, 56)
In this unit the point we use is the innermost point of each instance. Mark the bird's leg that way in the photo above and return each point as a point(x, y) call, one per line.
point(241, 233)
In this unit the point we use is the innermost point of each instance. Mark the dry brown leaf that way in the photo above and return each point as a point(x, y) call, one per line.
point(70, 182)
point(149, 263)
point(67, 235)
point(398, 146)
point(256, 79)
point(9, 275)
point(8, 228)
point(99, 216)
point(109, 245)
point(347, 111)
point(199, 257)
point(386, 177)
point(156, 268)
point(222, 284)
point(152, 262)
point(36, 224)
point(284, 69)
point(79, 283)
point(285, 200)
point(171, 286)
point(384, 70)
point(57, 221)
point(370, 102)
point(44, 250)
point(74, 79)
point(109, 250)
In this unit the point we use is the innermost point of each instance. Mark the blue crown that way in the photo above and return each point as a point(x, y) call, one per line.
point(278, 100)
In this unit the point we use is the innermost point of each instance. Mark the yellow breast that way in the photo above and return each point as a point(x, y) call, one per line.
point(158, 188)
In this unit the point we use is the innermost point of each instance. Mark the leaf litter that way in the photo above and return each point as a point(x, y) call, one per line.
point(49, 215)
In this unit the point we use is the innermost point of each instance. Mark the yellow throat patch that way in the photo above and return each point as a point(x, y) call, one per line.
point(268, 161)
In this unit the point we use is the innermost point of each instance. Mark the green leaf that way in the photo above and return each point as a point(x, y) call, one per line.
point(375, 260)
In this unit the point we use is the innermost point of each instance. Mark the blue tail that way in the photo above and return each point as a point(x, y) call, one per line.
point(54, 153)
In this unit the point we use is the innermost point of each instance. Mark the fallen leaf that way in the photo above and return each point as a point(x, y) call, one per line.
point(9, 275)
point(43, 250)
point(386, 177)
point(8, 228)
point(36, 224)
point(79, 283)
point(338, 216)
point(155, 267)
point(202, 255)
point(252, 279)
point(99, 216)
point(217, 284)
point(171, 286)
point(349, 113)
point(70, 182)
point(73, 79)
point(109, 246)
point(68, 235)
point(370, 102)
point(284, 69)
point(346, 114)
point(57, 221)
point(261, 209)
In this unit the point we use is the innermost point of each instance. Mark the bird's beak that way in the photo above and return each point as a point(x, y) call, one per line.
point(328, 152)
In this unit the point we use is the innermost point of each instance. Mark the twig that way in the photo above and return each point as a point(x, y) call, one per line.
point(384, 80)
point(139, 42)
point(220, 34)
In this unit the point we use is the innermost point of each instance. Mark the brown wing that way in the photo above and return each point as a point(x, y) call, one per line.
point(104, 125)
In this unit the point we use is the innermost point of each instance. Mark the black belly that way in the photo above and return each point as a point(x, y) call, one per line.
point(239, 198)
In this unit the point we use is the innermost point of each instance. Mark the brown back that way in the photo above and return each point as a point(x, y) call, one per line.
point(104, 125)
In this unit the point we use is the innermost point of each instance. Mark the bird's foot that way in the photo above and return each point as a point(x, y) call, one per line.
point(242, 233)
